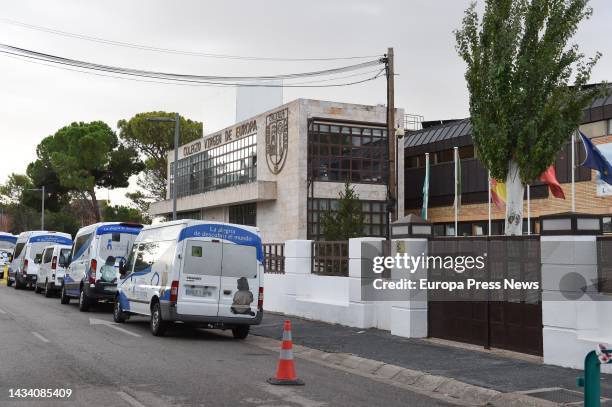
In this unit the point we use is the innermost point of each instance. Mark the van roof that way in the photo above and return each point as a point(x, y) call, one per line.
point(24, 236)
point(95, 226)
point(193, 222)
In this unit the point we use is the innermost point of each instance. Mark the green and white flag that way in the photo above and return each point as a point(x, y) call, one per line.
point(425, 188)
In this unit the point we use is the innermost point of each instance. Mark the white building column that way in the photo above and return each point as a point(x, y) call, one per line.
point(361, 252)
point(298, 258)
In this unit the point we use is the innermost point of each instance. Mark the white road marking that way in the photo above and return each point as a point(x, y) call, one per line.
point(129, 399)
point(39, 336)
point(2, 311)
point(94, 321)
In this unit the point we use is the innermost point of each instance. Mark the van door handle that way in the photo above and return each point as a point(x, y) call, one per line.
point(227, 292)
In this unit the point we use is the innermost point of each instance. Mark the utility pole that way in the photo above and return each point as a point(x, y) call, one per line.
point(42, 212)
point(391, 143)
point(177, 131)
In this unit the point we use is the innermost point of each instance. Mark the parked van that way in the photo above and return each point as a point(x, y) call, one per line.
point(97, 252)
point(28, 255)
point(7, 246)
point(204, 273)
point(52, 269)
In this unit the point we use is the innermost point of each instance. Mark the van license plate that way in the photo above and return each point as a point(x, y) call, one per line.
point(198, 292)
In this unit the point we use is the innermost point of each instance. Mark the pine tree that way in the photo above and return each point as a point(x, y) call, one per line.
point(347, 221)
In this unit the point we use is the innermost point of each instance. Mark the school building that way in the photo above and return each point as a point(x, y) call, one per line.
point(439, 139)
point(283, 169)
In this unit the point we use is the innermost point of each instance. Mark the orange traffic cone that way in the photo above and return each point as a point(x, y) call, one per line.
point(285, 374)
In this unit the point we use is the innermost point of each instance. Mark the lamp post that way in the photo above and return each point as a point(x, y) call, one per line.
point(177, 129)
point(42, 209)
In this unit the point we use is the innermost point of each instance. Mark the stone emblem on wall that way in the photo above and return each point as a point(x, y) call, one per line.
point(277, 140)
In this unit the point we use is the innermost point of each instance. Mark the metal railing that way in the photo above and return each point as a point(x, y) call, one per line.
point(330, 258)
point(274, 258)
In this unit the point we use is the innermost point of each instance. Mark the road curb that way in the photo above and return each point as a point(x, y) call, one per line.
point(445, 387)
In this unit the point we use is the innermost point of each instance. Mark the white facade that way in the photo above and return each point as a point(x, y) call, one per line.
point(281, 197)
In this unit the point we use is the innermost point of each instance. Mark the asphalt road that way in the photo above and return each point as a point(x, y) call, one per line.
point(46, 345)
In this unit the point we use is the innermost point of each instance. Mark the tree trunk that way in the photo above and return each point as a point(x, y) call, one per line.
point(94, 205)
point(514, 205)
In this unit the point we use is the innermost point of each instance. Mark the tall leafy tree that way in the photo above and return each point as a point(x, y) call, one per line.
point(86, 156)
point(154, 140)
point(347, 221)
point(523, 104)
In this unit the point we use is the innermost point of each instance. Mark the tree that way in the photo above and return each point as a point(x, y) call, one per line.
point(119, 213)
point(86, 156)
point(155, 140)
point(522, 106)
point(347, 221)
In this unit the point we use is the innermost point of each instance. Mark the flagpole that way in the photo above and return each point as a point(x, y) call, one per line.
point(489, 181)
point(426, 206)
point(456, 150)
point(528, 209)
point(573, 172)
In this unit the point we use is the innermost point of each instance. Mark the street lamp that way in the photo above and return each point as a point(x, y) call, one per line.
point(42, 212)
point(177, 128)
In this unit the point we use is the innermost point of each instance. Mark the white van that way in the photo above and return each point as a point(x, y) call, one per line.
point(94, 263)
point(7, 246)
point(28, 254)
point(52, 268)
point(198, 272)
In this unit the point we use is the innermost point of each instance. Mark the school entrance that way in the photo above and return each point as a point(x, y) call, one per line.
point(506, 318)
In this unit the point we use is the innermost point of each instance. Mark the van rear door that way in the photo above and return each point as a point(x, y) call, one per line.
point(239, 281)
point(200, 278)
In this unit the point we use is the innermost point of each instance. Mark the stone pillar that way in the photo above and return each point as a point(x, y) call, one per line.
point(409, 318)
point(298, 257)
point(361, 252)
point(571, 303)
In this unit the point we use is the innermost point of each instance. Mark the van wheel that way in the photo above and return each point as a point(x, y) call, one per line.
point(83, 301)
point(118, 314)
point(48, 292)
point(241, 331)
point(8, 282)
point(64, 299)
point(158, 325)
point(37, 289)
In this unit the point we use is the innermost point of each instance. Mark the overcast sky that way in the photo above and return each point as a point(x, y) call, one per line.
point(38, 100)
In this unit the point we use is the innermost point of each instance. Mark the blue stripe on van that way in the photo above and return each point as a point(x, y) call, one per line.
point(226, 232)
point(5, 238)
point(51, 239)
point(107, 229)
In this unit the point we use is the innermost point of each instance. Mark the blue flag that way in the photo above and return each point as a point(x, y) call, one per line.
point(596, 160)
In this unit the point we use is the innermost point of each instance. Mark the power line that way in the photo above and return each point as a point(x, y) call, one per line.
point(179, 77)
point(199, 84)
point(173, 51)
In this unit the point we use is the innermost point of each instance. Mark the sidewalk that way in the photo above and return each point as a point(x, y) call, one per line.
point(483, 369)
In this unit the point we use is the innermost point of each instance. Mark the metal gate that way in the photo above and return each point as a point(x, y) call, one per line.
point(506, 318)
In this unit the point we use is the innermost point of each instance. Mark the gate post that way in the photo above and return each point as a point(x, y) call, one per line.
point(568, 247)
point(410, 238)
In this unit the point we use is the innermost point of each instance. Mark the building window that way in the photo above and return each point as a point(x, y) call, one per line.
point(197, 215)
point(245, 214)
point(373, 211)
point(607, 224)
point(231, 164)
point(342, 152)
